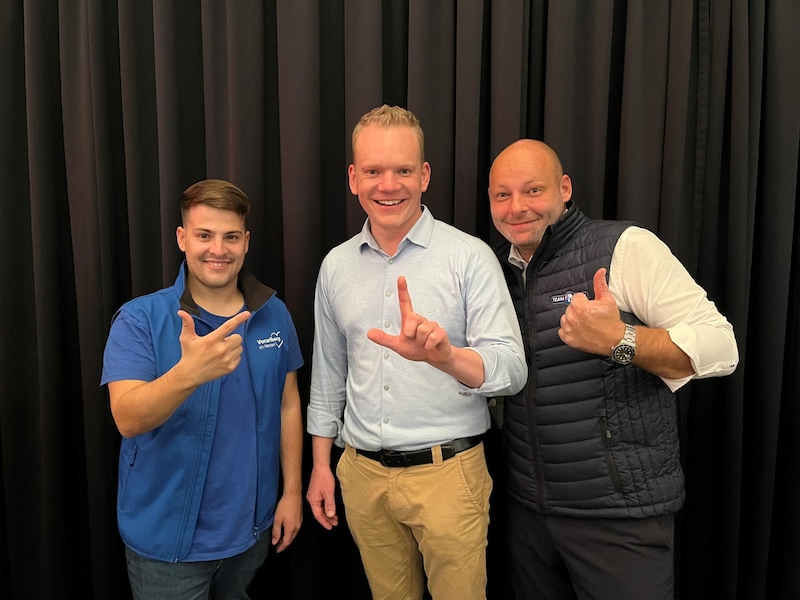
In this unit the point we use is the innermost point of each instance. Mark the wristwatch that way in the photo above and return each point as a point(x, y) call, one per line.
point(625, 350)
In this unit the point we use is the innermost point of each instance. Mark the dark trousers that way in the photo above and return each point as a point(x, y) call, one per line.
point(224, 579)
point(565, 558)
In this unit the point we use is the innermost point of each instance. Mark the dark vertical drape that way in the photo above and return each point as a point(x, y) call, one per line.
point(683, 115)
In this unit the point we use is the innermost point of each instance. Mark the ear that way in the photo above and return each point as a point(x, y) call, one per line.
point(246, 242)
point(426, 175)
point(351, 176)
point(180, 235)
point(566, 187)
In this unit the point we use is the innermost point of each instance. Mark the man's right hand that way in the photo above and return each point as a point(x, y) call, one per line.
point(141, 406)
point(320, 497)
point(208, 357)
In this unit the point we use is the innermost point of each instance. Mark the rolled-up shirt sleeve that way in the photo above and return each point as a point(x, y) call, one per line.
point(329, 370)
point(646, 279)
point(493, 329)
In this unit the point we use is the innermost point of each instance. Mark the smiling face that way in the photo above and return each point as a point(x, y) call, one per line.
point(389, 176)
point(528, 192)
point(215, 243)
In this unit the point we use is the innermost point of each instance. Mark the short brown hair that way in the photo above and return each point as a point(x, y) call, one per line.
point(390, 116)
point(216, 193)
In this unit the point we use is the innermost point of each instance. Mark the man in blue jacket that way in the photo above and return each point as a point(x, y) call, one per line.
point(613, 325)
point(203, 387)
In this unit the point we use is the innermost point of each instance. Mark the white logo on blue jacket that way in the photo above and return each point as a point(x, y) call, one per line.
point(273, 341)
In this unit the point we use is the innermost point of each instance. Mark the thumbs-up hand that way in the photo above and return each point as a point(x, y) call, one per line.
point(208, 357)
point(419, 339)
point(592, 325)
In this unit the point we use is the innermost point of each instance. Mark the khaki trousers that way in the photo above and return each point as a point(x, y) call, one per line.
point(434, 515)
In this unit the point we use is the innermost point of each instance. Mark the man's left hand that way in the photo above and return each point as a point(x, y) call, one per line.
point(288, 518)
point(592, 325)
point(419, 339)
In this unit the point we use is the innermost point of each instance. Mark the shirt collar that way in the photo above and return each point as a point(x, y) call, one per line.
point(515, 258)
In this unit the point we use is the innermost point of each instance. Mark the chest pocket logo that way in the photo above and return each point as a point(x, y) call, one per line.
point(273, 341)
point(565, 298)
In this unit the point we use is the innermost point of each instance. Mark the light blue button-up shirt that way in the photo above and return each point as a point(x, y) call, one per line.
point(368, 396)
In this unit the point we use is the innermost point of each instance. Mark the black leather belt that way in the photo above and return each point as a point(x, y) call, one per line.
point(412, 458)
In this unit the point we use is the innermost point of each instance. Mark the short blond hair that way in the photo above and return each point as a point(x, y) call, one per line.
point(390, 116)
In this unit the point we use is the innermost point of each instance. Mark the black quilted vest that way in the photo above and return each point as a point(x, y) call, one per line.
point(586, 437)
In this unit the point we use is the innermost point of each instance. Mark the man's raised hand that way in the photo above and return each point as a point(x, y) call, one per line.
point(208, 357)
point(419, 339)
point(592, 325)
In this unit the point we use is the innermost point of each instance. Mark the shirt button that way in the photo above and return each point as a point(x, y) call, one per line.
point(387, 324)
point(385, 355)
point(385, 420)
point(386, 388)
point(388, 293)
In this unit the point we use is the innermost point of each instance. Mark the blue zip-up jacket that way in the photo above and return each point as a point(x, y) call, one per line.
point(162, 472)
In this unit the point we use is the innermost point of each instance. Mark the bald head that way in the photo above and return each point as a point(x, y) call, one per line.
point(528, 191)
point(524, 153)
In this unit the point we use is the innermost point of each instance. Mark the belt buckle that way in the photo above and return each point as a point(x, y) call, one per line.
point(393, 459)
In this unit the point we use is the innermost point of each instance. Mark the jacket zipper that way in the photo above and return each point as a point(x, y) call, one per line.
point(530, 392)
point(256, 531)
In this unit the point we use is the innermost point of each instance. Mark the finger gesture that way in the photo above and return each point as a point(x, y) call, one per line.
point(592, 325)
point(419, 339)
point(208, 357)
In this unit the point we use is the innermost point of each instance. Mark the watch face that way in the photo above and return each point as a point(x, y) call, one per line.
point(623, 354)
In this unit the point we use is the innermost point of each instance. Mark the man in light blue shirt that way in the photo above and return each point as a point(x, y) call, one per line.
point(414, 329)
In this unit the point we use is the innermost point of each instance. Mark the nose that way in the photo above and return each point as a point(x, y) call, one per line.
point(388, 181)
point(217, 246)
point(516, 204)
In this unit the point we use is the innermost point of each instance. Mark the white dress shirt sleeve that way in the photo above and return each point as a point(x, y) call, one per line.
point(646, 279)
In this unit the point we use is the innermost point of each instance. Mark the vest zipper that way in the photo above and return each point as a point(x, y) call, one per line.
point(530, 391)
point(256, 531)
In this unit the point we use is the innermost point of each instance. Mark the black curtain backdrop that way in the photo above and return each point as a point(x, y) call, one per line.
point(683, 115)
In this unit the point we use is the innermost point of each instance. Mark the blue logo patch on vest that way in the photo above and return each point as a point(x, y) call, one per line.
point(565, 298)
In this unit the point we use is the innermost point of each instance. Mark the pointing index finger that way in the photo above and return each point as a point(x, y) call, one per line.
point(229, 326)
point(403, 297)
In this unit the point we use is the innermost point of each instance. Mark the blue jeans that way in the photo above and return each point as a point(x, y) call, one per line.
point(224, 579)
